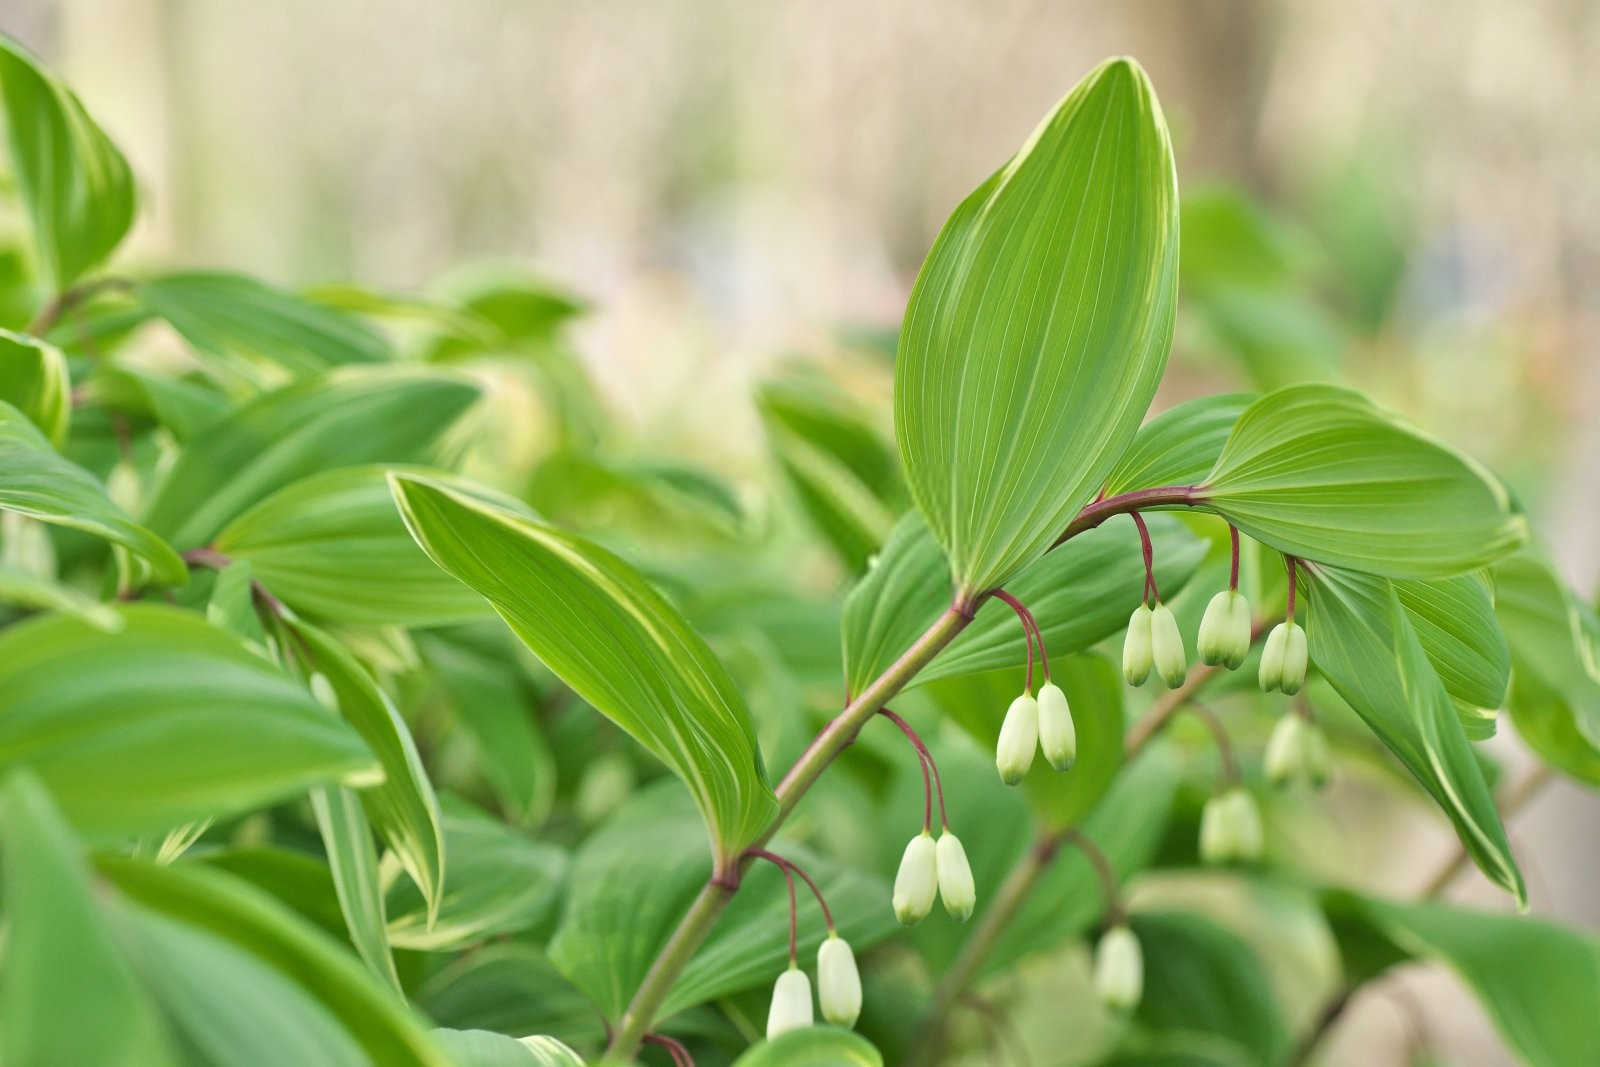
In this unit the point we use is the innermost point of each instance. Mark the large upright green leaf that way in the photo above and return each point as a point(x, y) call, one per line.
point(1364, 643)
point(1081, 593)
point(1039, 327)
point(847, 478)
point(613, 639)
point(33, 379)
point(343, 419)
point(332, 545)
point(1179, 446)
point(168, 720)
point(1319, 472)
point(247, 919)
point(75, 185)
point(35, 481)
point(67, 993)
point(1539, 982)
point(1555, 690)
point(234, 316)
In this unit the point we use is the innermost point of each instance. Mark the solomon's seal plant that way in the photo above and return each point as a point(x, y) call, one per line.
point(336, 729)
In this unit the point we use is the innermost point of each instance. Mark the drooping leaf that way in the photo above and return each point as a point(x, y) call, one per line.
point(1555, 688)
point(165, 721)
point(1363, 641)
point(814, 1046)
point(353, 861)
point(845, 476)
point(1319, 472)
point(75, 185)
point(34, 380)
point(234, 912)
point(1081, 593)
point(1538, 981)
point(1455, 622)
point(235, 317)
point(35, 481)
point(1179, 446)
point(1202, 979)
point(343, 419)
point(500, 882)
point(1039, 327)
point(332, 545)
point(483, 1048)
point(67, 992)
point(403, 807)
point(613, 639)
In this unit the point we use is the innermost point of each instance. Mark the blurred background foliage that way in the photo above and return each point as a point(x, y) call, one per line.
point(689, 230)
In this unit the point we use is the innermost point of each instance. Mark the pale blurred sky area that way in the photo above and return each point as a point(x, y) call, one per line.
point(731, 182)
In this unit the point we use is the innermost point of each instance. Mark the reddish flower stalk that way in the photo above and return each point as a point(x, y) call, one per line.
point(1150, 590)
point(1233, 572)
point(790, 868)
point(928, 784)
point(1030, 633)
point(680, 1055)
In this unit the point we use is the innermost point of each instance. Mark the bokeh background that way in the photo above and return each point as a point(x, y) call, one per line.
point(1411, 190)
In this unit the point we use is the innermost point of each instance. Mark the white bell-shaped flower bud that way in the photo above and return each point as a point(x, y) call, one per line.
point(1058, 737)
point(1244, 818)
point(838, 981)
point(1271, 674)
point(1119, 970)
point(956, 887)
point(1285, 759)
point(1136, 654)
point(1224, 638)
point(1216, 844)
point(1166, 647)
point(1294, 658)
point(1019, 737)
point(917, 881)
point(791, 1003)
point(1318, 760)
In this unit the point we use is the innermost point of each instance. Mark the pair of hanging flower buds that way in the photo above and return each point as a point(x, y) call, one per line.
point(1042, 724)
point(838, 980)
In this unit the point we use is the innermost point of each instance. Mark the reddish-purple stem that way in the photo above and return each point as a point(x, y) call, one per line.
point(1149, 551)
point(1030, 632)
point(1289, 562)
point(675, 1049)
point(925, 757)
point(1233, 571)
point(788, 867)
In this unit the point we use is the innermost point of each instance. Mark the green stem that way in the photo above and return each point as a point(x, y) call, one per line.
point(719, 890)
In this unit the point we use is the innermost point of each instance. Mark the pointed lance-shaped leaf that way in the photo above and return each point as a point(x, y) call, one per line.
point(1039, 327)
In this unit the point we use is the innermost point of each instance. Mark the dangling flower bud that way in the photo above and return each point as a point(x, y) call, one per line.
point(1136, 655)
point(1166, 644)
point(1230, 827)
point(1271, 674)
point(956, 887)
point(1224, 637)
point(791, 1003)
point(1019, 737)
point(1119, 970)
point(917, 880)
point(1058, 738)
point(1285, 759)
point(838, 981)
point(1318, 763)
point(1294, 659)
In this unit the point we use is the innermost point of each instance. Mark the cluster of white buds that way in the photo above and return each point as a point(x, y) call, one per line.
point(1224, 637)
point(838, 980)
point(928, 870)
point(1044, 724)
point(1154, 640)
point(1283, 658)
point(838, 990)
point(1119, 970)
point(1230, 827)
point(1297, 751)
